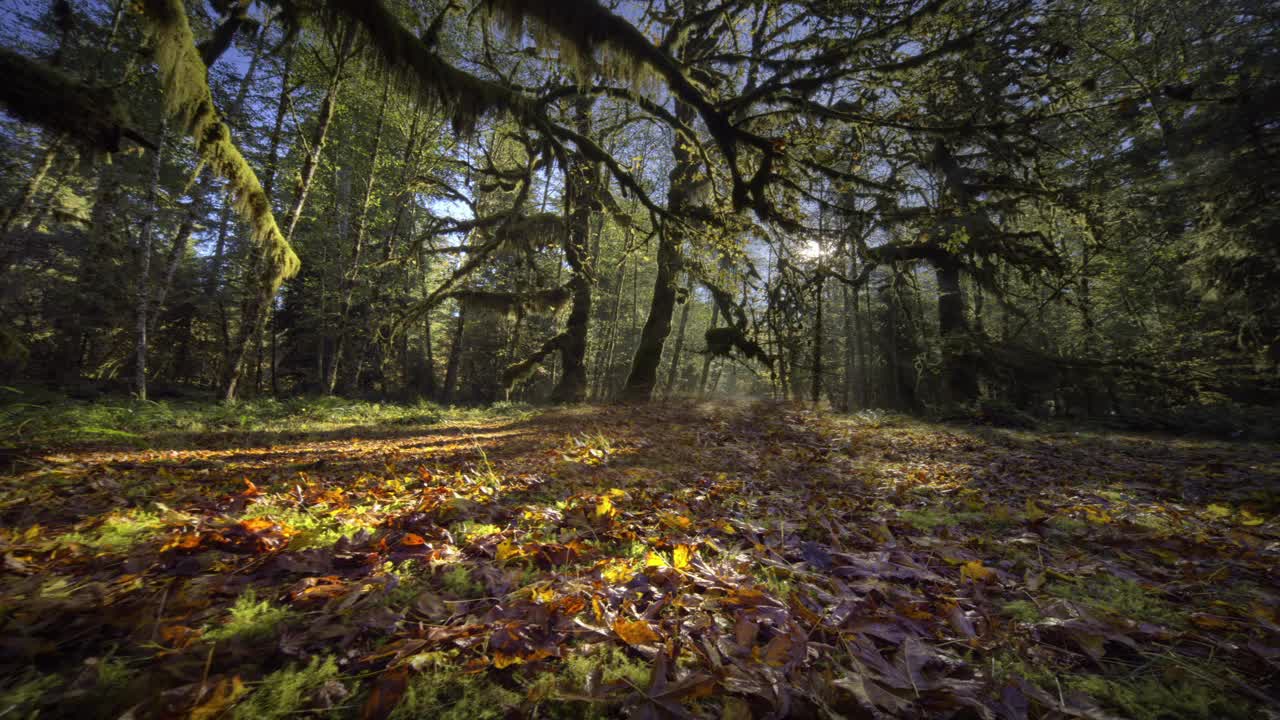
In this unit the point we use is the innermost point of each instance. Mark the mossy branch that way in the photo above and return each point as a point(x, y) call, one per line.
point(43, 95)
point(184, 78)
point(519, 372)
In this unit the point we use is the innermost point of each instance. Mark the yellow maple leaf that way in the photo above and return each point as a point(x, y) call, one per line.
point(975, 570)
point(653, 559)
point(605, 508)
point(635, 632)
point(1218, 511)
point(681, 556)
point(507, 550)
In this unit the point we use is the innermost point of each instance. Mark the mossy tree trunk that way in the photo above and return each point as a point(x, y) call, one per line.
point(680, 195)
point(582, 189)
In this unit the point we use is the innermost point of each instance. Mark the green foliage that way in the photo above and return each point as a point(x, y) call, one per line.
point(22, 697)
point(250, 620)
point(457, 582)
point(117, 532)
point(1152, 696)
point(448, 694)
point(1119, 596)
point(1021, 610)
point(292, 691)
point(55, 420)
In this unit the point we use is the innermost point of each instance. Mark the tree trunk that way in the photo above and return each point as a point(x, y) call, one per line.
point(674, 370)
point(259, 297)
point(455, 358)
point(815, 389)
point(958, 359)
point(351, 276)
point(144, 269)
point(581, 186)
point(706, 360)
point(680, 196)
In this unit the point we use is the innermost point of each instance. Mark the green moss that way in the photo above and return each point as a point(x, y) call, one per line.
point(927, 519)
point(932, 518)
point(1006, 665)
point(777, 585)
point(1068, 525)
point(447, 694)
point(410, 583)
point(1158, 697)
point(457, 582)
point(468, 531)
point(288, 692)
point(614, 663)
point(250, 620)
point(1120, 597)
point(117, 532)
point(1021, 610)
point(615, 667)
point(314, 530)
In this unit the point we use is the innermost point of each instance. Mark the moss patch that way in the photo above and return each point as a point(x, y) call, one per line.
point(250, 620)
point(292, 691)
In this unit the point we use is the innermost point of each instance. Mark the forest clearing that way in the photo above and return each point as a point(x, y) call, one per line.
point(640, 358)
point(731, 561)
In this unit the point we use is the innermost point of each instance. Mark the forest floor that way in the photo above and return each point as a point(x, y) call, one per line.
point(728, 561)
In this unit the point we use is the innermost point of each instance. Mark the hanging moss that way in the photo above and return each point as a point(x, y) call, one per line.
point(531, 232)
point(586, 33)
point(38, 93)
point(515, 303)
point(184, 77)
point(722, 341)
point(462, 96)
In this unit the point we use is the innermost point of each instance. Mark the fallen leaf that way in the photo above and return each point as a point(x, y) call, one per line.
point(635, 632)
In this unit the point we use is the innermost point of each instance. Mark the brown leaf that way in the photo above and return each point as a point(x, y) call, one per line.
point(386, 694)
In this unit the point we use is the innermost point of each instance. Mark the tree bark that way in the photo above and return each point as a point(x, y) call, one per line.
point(680, 196)
point(674, 370)
point(958, 359)
point(581, 190)
point(455, 358)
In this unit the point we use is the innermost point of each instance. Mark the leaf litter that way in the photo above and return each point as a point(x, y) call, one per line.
point(657, 562)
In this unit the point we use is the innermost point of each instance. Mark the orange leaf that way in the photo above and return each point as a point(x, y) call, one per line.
point(635, 632)
point(413, 540)
point(224, 695)
point(250, 490)
point(255, 525)
point(184, 541)
point(502, 660)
